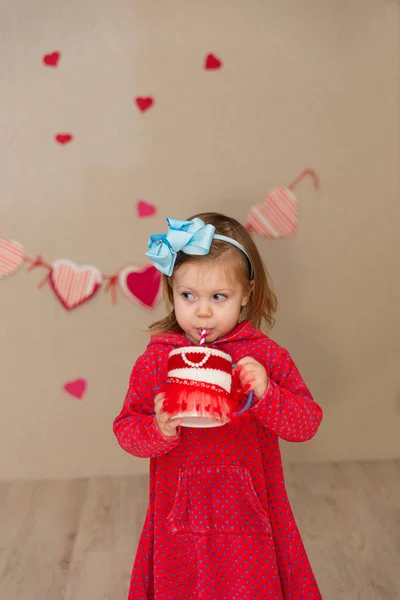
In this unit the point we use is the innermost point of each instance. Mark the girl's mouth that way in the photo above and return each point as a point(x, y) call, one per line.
point(208, 331)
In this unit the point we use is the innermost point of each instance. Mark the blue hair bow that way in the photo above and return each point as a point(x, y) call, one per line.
point(192, 237)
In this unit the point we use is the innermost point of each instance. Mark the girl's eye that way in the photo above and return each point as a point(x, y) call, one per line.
point(219, 297)
point(187, 296)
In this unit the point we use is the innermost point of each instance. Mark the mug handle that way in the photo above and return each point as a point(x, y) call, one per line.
point(248, 403)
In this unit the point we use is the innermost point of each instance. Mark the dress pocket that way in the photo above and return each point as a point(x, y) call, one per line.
point(212, 500)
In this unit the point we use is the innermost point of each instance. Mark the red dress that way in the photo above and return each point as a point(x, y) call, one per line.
point(219, 524)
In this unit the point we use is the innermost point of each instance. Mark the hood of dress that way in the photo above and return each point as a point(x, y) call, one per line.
point(243, 331)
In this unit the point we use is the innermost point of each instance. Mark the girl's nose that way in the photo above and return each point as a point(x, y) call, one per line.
point(203, 309)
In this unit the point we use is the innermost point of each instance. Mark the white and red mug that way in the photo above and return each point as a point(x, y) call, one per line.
point(198, 388)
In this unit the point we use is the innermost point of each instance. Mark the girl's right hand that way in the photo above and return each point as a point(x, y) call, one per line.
point(167, 426)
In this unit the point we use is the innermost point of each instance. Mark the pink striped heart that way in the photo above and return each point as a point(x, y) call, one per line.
point(140, 284)
point(12, 256)
point(277, 216)
point(74, 285)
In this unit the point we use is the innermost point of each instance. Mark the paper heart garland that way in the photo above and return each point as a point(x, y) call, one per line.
point(140, 284)
point(76, 388)
point(74, 285)
point(144, 103)
point(212, 62)
point(51, 60)
point(144, 209)
point(277, 216)
point(12, 256)
point(63, 138)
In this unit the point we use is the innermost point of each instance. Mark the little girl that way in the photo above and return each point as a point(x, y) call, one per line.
point(219, 524)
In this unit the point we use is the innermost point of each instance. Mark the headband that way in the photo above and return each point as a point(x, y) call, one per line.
point(191, 237)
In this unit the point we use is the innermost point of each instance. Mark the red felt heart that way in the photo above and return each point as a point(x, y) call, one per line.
point(64, 138)
point(140, 284)
point(51, 60)
point(76, 388)
point(212, 62)
point(144, 209)
point(144, 103)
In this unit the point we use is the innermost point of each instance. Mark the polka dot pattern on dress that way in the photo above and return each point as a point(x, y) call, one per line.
point(219, 524)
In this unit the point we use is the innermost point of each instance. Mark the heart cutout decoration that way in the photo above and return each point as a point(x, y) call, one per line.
point(51, 60)
point(140, 284)
point(212, 62)
point(64, 138)
point(144, 209)
point(74, 285)
point(144, 103)
point(277, 216)
point(12, 256)
point(76, 388)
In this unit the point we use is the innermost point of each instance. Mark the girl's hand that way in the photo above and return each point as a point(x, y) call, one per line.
point(253, 376)
point(166, 426)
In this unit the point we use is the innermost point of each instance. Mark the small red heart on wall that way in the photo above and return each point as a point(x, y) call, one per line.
point(76, 388)
point(144, 209)
point(144, 103)
point(64, 138)
point(212, 62)
point(51, 60)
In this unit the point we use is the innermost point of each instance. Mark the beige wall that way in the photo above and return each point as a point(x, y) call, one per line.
point(305, 83)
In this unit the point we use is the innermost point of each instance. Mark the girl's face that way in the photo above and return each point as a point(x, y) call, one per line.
point(204, 298)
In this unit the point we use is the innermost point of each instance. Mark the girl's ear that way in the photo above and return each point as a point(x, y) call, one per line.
point(248, 293)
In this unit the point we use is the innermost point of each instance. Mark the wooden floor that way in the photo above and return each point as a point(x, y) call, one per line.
point(75, 540)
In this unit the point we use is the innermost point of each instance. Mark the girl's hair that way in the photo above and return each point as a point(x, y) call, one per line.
point(262, 303)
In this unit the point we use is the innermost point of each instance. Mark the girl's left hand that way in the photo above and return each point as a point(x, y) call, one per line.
point(253, 376)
